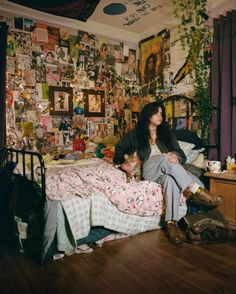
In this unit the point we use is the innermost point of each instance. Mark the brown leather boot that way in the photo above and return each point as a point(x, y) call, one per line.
point(187, 193)
point(203, 196)
point(174, 233)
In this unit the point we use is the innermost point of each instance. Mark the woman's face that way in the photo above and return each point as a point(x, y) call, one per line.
point(150, 64)
point(156, 119)
point(49, 58)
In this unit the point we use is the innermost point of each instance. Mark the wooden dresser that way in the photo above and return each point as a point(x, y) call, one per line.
point(225, 184)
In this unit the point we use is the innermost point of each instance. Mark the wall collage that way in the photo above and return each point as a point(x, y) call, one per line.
point(64, 86)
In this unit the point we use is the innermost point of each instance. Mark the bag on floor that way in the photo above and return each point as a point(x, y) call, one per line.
point(207, 227)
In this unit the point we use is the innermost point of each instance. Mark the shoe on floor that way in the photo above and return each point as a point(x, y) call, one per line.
point(203, 196)
point(174, 233)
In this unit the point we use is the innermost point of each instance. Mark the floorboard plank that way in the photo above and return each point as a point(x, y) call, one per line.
point(145, 263)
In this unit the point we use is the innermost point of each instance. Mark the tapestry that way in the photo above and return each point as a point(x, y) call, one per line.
point(80, 10)
point(151, 64)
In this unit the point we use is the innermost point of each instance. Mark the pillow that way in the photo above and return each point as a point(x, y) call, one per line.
point(186, 147)
point(190, 137)
point(193, 154)
point(199, 161)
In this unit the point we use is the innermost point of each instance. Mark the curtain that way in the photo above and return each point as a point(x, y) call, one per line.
point(223, 88)
point(3, 51)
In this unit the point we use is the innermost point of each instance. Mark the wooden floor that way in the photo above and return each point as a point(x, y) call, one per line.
point(146, 263)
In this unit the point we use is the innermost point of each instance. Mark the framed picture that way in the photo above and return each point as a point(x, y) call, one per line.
point(94, 103)
point(61, 100)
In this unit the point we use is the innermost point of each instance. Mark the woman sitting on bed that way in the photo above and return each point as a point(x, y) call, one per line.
point(162, 160)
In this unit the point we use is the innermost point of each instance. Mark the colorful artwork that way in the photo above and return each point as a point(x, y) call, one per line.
point(53, 35)
point(92, 79)
point(23, 43)
point(151, 63)
point(11, 46)
point(94, 103)
point(61, 101)
point(28, 24)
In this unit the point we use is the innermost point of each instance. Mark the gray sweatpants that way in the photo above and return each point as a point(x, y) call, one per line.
point(173, 178)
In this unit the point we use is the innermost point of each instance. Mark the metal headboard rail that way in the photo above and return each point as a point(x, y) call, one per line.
point(13, 156)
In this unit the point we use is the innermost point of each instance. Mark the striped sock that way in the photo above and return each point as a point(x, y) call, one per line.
point(194, 188)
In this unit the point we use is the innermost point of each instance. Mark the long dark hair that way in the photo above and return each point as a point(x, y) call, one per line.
point(143, 133)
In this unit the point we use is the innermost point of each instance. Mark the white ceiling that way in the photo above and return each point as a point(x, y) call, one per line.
point(147, 17)
point(141, 19)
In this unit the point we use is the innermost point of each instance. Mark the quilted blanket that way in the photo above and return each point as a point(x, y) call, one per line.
point(85, 180)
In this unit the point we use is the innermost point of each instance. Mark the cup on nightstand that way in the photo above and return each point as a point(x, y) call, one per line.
point(214, 166)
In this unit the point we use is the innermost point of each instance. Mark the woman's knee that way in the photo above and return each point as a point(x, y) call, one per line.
point(166, 179)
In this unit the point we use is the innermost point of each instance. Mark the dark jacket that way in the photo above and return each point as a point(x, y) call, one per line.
point(128, 145)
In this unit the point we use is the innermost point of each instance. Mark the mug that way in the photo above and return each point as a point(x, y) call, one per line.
point(213, 166)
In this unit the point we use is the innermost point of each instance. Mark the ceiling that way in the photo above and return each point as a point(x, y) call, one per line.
point(140, 16)
point(143, 16)
point(137, 20)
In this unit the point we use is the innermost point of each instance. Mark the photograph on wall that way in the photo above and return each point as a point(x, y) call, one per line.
point(41, 33)
point(40, 74)
point(61, 100)
point(64, 37)
point(11, 65)
point(46, 122)
point(53, 34)
point(56, 121)
point(91, 128)
point(132, 58)
point(94, 103)
point(36, 59)
point(135, 104)
point(102, 130)
point(118, 53)
point(128, 71)
point(23, 43)
point(86, 38)
point(28, 78)
point(74, 49)
point(79, 121)
point(23, 61)
point(52, 75)
point(28, 24)
point(61, 54)
point(11, 46)
point(16, 82)
point(50, 139)
point(169, 111)
point(18, 23)
point(31, 116)
point(50, 56)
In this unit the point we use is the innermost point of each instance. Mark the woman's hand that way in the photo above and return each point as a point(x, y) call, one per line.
point(172, 157)
point(126, 167)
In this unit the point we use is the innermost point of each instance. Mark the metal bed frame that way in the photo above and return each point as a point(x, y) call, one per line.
point(11, 155)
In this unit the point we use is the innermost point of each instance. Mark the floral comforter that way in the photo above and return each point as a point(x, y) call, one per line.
point(83, 180)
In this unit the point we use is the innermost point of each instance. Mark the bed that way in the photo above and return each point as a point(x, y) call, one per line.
point(77, 199)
